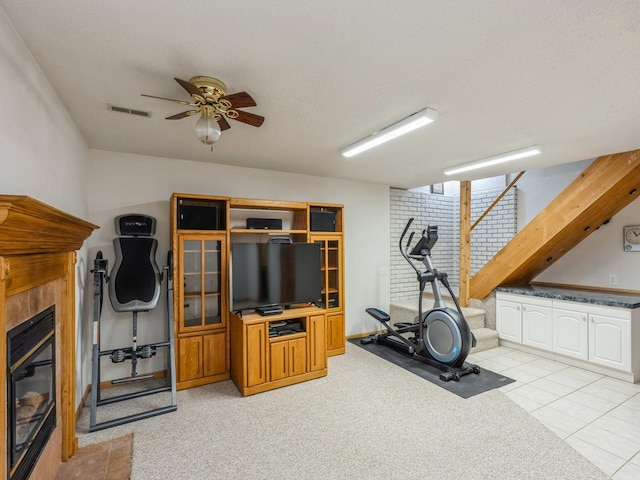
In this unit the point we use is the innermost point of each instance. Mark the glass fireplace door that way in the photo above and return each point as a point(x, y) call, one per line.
point(31, 392)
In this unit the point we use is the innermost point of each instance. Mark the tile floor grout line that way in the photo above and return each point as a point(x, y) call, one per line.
point(618, 404)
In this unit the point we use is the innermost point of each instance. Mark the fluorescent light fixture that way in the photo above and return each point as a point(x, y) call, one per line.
point(417, 120)
point(494, 160)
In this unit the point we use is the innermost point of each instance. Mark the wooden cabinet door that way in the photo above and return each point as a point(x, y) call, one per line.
point(509, 320)
point(256, 344)
point(317, 354)
point(335, 332)
point(189, 358)
point(610, 342)
point(537, 326)
point(570, 335)
point(297, 350)
point(278, 360)
point(215, 353)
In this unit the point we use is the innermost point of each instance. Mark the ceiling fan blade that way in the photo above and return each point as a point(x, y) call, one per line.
point(192, 89)
point(178, 116)
point(240, 100)
point(181, 102)
point(224, 125)
point(249, 118)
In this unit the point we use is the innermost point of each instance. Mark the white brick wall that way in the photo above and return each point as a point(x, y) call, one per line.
point(491, 234)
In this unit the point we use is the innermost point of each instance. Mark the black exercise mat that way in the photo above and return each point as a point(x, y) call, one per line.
point(468, 386)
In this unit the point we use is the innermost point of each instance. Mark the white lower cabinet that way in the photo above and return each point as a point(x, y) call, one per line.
point(594, 334)
point(597, 334)
point(509, 320)
point(526, 321)
point(570, 333)
point(537, 325)
point(610, 342)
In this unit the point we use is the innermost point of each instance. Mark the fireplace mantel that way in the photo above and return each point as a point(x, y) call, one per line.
point(38, 245)
point(28, 226)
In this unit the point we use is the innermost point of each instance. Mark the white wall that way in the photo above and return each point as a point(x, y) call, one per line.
point(600, 255)
point(42, 153)
point(126, 183)
point(538, 187)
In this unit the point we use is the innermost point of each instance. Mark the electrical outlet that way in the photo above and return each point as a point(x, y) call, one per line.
point(613, 279)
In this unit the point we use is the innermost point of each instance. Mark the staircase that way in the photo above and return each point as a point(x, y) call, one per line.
point(606, 186)
point(407, 310)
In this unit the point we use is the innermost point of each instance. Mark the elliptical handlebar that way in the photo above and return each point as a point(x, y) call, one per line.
point(406, 248)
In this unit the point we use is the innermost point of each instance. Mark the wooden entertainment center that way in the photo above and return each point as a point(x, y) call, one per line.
point(215, 344)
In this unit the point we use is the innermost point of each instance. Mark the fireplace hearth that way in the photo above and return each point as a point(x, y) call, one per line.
point(30, 392)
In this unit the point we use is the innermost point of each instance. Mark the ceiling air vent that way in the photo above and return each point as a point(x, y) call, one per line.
point(130, 111)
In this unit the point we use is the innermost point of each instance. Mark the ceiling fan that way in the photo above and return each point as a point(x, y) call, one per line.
point(210, 100)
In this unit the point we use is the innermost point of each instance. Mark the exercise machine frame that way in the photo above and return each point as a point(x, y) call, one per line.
point(449, 351)
point(100, 276)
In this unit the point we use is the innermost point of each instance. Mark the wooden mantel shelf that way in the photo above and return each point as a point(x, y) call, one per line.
point(28, 226)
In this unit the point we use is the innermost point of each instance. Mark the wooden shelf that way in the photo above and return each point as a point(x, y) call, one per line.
point(252, 203)
point(260, 231)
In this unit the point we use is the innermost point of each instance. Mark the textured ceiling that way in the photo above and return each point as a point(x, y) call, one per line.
point(502, 75)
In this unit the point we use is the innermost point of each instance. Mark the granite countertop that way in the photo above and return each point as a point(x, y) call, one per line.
point(608, 299)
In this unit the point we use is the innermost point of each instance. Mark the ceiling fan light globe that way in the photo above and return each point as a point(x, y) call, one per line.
point(208, 130)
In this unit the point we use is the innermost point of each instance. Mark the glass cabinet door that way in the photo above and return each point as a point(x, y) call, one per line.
point(333, 274)
point(330, 262)
point(201, 273)
point(211, 282)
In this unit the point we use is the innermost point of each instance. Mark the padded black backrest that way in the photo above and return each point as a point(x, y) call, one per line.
point(134, 284)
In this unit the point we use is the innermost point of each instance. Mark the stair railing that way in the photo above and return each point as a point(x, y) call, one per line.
point(465, 235)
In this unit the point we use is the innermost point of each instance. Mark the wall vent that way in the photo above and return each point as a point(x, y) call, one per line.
point(130, 111)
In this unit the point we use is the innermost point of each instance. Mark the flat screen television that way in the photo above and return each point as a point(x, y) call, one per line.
point(274, 274)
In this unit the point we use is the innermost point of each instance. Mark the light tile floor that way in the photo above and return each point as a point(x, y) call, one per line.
point(597, 415)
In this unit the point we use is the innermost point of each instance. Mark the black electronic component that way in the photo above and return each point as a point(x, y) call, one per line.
point(281, 274)
point(322, 221)
point(197, 217)
point(264, 223)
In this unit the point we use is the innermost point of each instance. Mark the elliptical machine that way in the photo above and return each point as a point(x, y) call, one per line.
point(441, 336)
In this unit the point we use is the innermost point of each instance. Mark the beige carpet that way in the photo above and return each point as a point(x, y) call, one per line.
point(367, 419)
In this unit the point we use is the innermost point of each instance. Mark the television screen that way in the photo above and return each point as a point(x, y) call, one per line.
point(274, 274)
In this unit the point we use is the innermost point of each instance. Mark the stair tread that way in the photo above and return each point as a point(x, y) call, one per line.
point(407, 310)
point(413, 305)
point(486, 339)
point(484, 332)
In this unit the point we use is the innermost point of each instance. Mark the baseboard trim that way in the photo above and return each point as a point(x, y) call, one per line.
point(363, 335)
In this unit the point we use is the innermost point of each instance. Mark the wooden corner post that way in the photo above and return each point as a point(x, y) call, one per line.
point(465, 242)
